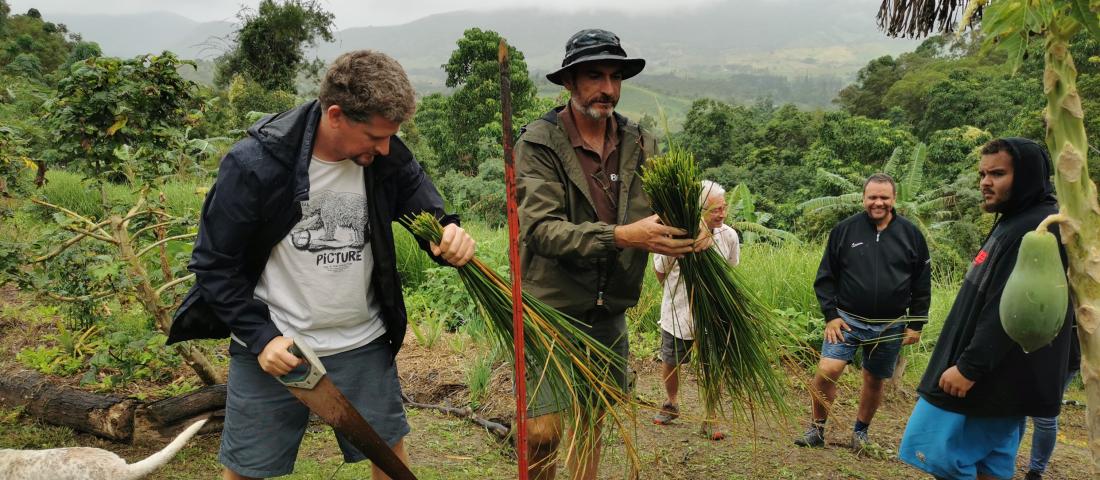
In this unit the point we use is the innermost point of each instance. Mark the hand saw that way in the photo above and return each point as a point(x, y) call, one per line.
point(316, 391)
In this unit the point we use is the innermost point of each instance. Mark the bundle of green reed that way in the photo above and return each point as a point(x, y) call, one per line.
point(561, 359)
point(737, 338)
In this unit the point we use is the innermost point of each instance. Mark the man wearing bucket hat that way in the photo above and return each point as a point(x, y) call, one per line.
point(586, 226)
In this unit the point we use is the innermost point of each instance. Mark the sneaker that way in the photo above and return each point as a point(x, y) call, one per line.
point(1033, 475)
point(860, 441)
point(814, 437)
point(709, 429)
point(668, 413)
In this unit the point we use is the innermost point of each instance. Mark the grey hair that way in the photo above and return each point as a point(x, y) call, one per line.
point(711, 189)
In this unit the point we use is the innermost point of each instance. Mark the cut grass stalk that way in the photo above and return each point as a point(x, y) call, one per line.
point(577, 371)
point(737, 338)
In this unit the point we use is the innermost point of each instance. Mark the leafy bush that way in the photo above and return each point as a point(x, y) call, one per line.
point(246, 97)
point(25, 65)
point(115, 351)
point(482, 196)
point(106, 105)
point(14, 164)
point(138, 354)
point(49, 360)
point(444, 295)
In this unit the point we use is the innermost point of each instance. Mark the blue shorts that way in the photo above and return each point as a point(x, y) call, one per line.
point(880, 347)
point(951, 445)
point(264, 422)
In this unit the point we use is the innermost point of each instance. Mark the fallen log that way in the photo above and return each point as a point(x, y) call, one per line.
point(186, 407)
point(160, 421)
point(119, 419)
point(100, 415)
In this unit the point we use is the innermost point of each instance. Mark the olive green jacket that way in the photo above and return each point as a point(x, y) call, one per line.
point(569, 258)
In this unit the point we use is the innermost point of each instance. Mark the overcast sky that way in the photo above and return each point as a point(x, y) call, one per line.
point(349, 13)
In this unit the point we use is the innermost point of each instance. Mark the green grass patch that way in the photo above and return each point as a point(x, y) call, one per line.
point(184, 198)
point(74, 192)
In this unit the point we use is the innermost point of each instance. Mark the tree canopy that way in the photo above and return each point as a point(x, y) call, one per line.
point(464, 128)
point(270, 43)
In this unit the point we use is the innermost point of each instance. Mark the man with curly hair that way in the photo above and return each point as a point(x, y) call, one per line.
point(296, 245)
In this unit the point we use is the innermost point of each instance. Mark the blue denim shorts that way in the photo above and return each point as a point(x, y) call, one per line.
point(951, 445)
point(880, 348)
point(264, 422)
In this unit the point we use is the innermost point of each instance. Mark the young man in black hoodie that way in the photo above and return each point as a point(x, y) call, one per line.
point(980, 385)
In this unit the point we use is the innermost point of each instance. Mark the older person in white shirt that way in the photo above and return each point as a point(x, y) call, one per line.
point(677, 326)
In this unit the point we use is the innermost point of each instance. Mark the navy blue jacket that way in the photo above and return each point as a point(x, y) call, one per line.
point(255, 202)
point(878, 275)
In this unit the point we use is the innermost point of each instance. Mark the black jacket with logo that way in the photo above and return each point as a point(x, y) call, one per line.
point(873, 274)
point(254, 204)
point(1007, 381)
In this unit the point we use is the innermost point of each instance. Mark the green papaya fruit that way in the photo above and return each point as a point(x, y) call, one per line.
point(1034, 301)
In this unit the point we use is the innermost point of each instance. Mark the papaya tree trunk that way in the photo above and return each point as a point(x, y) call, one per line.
point(1065, 137)
point(150, 300)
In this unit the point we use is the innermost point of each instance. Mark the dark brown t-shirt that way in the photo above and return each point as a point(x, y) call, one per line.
point(602, 172)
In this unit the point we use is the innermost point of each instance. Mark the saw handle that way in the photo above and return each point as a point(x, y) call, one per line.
point(314, 369)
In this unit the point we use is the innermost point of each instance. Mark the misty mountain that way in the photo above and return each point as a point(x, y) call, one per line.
point(769, 39)
point(137, 34)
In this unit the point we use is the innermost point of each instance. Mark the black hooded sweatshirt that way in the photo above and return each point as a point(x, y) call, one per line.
point(1008, 382)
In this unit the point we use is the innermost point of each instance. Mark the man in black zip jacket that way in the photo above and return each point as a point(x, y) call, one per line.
point(980, 385)
point(295, 245)
point(874, 286)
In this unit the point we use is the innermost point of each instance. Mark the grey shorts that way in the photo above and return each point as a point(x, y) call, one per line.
point(675, 351)
point(264, 423)
point(609, 330)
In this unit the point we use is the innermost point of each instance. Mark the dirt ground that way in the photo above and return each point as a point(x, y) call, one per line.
point(677, 451)
point(443, 447)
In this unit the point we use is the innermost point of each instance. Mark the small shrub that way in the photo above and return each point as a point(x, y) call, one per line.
point(449, 299)
point(480, 196)
point(246, 96)
point(49, 360)
point(111, 353)
point(478, 377)
point(426, 325)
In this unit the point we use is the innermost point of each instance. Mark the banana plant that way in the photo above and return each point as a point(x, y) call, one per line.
point(926, 208)
point(1009, 25)
point(752, 224)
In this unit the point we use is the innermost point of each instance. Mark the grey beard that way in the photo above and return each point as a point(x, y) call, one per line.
point(590, 112)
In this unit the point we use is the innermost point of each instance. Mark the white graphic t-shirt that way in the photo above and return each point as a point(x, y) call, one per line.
point(317, 282)
point(675, 311)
